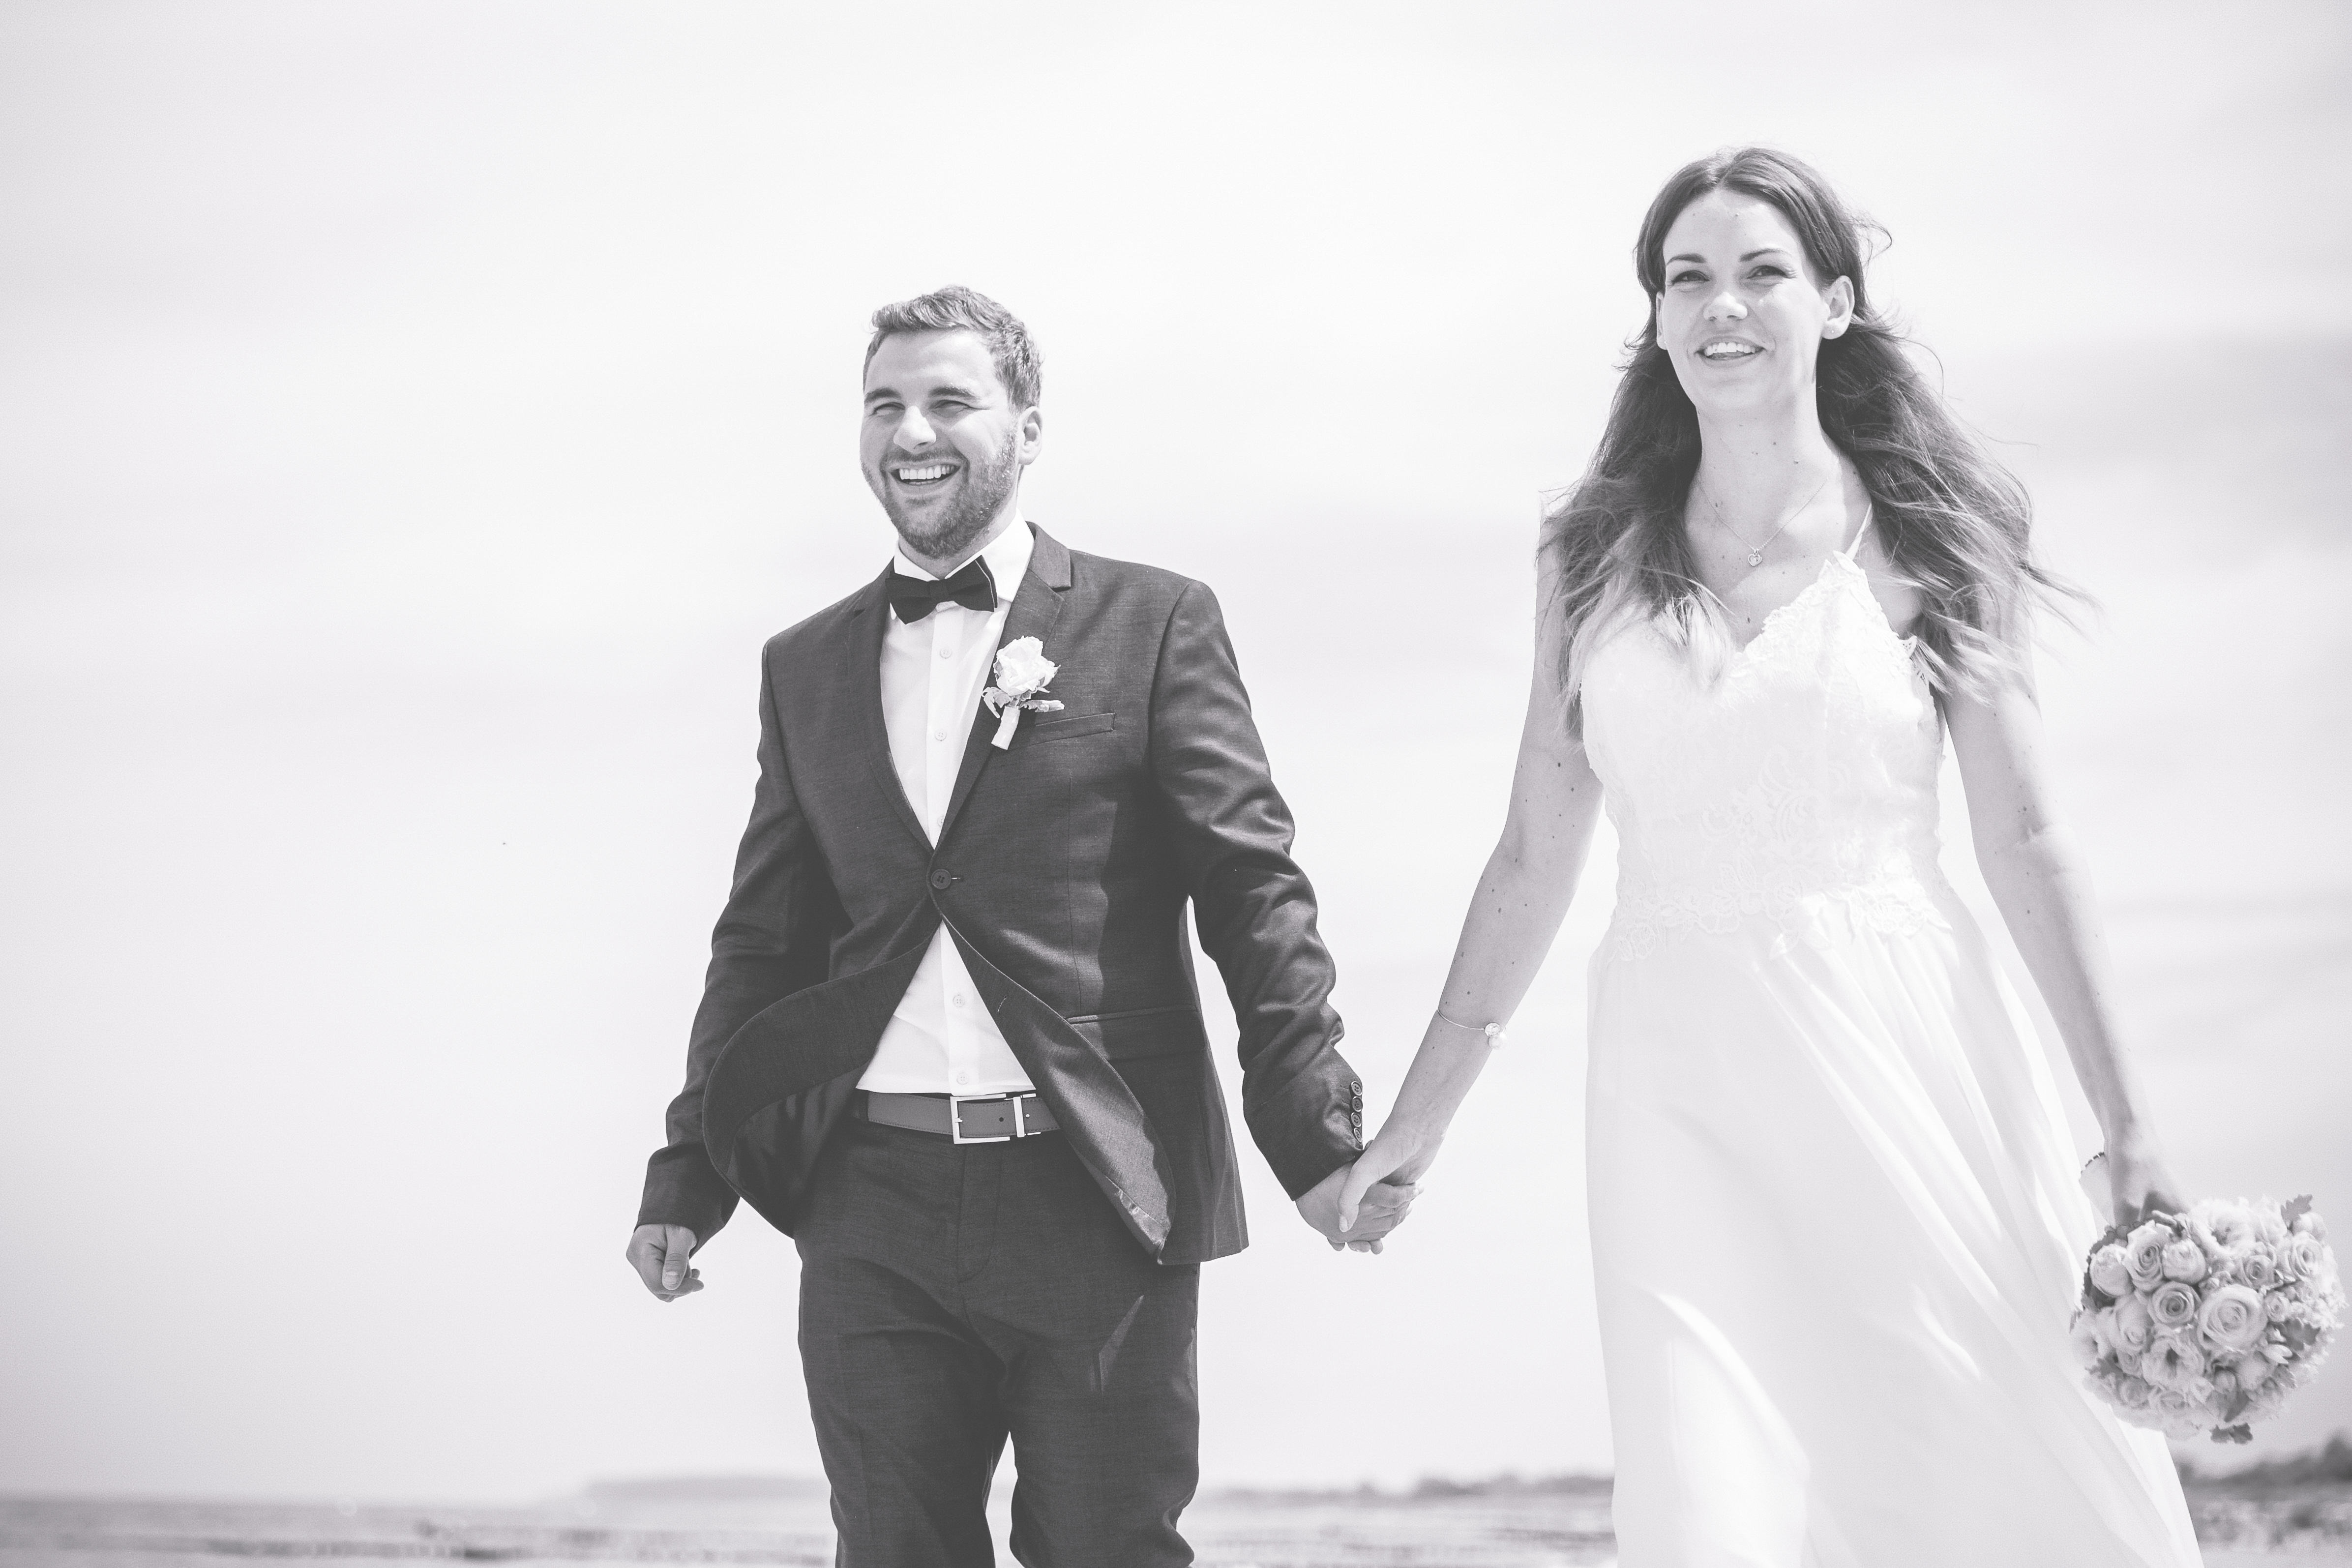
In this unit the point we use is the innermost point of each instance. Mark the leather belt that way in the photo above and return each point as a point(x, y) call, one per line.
point(961, 1118)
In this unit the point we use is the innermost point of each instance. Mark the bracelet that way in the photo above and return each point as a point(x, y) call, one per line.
point(1493, 1031)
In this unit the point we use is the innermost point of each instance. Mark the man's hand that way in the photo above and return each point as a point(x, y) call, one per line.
point(658, 1253)
point(1382, 1211)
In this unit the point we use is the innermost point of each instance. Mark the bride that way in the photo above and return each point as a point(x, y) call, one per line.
point(1836, 1223)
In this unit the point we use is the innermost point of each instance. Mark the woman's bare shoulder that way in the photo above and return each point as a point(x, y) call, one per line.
point(1896, 594)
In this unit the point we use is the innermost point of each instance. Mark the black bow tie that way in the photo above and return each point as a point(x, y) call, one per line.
point(915, 597)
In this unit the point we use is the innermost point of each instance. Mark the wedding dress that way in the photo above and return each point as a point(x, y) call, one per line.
point(1836, 1226)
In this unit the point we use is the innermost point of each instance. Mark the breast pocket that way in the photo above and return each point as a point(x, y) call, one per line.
point(1044, 727)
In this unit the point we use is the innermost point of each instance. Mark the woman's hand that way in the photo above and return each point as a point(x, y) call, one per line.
point(2140, 1185)
point(1397, 1155)
point(1383, 1208)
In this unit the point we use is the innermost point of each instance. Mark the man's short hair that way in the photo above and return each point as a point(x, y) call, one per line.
point(957, 308)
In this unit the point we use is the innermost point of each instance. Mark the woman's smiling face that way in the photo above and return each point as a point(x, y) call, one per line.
point(1742, 315)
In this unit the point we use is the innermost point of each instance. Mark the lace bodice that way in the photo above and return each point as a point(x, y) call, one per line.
point(1799, 790)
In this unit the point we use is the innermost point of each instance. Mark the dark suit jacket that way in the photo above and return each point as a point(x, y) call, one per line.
point(1062, 871)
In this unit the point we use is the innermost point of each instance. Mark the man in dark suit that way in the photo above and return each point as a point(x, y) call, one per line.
point(949, 1039)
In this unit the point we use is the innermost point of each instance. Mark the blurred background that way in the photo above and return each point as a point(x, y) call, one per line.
point(413, 417)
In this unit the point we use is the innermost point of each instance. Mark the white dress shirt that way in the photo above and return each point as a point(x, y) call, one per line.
point(941, 1039)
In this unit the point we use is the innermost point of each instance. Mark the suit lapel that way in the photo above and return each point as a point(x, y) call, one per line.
point(1035, 607)
point(862, 651)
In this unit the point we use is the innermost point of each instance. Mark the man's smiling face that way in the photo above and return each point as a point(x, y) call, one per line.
point(942, 444)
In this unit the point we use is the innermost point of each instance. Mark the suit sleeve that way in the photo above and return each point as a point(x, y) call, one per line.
point(773, 940)
point(1255, 910)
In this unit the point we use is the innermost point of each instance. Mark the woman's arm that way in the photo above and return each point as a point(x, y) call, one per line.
point(2044, 891)
point(1522, 896)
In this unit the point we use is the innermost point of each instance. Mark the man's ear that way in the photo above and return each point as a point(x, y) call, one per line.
point(1033, 434)
point(1840, 295)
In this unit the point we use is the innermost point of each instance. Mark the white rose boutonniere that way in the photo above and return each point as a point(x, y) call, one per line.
point(1022, 673)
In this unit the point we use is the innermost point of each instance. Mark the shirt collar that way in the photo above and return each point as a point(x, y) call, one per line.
point(1007, 556)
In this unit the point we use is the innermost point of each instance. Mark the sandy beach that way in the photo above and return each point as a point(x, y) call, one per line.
point(1558, 1523)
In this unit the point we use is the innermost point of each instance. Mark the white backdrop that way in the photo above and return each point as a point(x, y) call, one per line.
point(417, 414)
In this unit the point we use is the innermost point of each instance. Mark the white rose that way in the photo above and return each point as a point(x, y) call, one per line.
point(2144, 1253)
point(2185, 1260)
point(2232, 1317)
point(2172, 1304)
point(2134, 1327)
point(1022, 668)
point(2258, 1267)
point(2228, 1224)
point(2108, 1271)
point(2088, 1350)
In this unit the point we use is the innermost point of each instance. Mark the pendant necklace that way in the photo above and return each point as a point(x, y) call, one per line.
point(1756, 552)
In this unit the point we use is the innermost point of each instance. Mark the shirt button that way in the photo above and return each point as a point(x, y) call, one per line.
point(940, 879)
point(939, 735)
point(956, 998)
point(947, 652)
point(963, 1078)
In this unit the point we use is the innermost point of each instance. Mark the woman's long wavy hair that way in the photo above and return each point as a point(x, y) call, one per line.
point(1954, 522)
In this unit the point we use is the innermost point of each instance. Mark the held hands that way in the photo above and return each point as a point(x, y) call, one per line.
point(659, 1253)
point(1395, 1161)
point(1377, 1211)
point(1451, 1057)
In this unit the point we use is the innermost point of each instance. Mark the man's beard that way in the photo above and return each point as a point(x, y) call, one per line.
point(986, 491)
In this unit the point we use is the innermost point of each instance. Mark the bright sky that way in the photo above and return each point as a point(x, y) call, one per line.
point(418, 414)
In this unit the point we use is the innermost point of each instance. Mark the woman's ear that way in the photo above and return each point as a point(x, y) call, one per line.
point(1840, 296)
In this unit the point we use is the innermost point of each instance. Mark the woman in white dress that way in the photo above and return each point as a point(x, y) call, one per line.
point(1836, 1220)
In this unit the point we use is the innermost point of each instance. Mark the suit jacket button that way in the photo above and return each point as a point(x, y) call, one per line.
point(940, 879)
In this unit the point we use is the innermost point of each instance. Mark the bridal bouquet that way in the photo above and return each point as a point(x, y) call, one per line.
point(2206, 1320)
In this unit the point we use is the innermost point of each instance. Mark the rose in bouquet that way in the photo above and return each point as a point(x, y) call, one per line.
point(2206, 1320)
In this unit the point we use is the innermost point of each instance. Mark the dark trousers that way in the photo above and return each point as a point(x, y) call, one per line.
point(954, 1295)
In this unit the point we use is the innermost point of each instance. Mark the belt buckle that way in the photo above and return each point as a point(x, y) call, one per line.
point(956, 1102)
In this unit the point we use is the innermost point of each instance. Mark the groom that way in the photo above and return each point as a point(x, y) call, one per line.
point(949, 1039)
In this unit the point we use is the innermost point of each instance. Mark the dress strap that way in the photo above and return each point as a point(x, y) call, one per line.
point(1869, 515)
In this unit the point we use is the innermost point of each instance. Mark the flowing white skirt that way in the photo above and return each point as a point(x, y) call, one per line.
point(1837, 1233)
